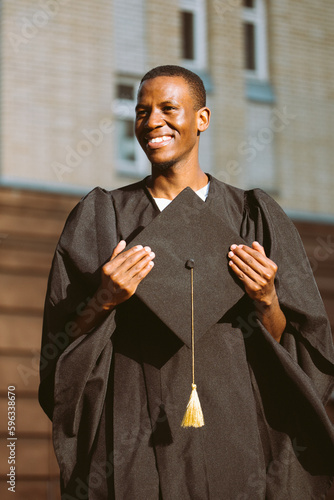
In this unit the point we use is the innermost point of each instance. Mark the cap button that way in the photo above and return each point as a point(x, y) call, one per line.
point(190, 264)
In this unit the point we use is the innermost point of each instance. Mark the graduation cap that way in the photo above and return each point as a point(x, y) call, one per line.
point(191, 286)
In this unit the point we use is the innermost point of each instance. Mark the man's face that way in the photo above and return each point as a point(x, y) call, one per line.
point(166, 121)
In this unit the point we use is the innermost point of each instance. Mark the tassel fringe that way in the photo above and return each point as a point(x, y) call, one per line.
point(193, 416)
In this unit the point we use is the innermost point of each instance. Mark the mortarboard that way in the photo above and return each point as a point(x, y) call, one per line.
point(191, 286)
point(187, 229)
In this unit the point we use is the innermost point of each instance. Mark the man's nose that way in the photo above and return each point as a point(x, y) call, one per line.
point(154, 119)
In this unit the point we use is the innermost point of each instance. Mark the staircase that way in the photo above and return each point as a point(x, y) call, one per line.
point(30, 224)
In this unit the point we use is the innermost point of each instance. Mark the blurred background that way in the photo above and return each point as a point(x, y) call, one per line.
point(69, 75)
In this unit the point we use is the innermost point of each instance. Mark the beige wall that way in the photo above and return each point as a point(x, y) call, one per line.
point(59, 71)
point(302, 67)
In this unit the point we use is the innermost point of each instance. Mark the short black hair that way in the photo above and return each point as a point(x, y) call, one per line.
point(194, 82)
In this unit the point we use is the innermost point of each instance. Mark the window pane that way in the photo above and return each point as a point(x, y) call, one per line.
point(125, 140)
point(124, 91)
point(187, 35)
point(250, 62)
point(249, 4)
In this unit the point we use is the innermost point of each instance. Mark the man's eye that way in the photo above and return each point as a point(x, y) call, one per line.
point(140, 113)
point(169, 108)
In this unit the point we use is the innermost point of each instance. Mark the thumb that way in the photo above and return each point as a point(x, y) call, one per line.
point(256, 245)
point(118, 249)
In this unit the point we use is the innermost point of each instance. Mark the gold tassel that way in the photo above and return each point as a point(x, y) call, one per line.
point(193, 416)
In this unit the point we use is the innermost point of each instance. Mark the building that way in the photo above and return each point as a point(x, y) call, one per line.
point(69, 74)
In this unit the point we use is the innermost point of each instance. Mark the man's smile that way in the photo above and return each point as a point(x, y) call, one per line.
point(158, 142)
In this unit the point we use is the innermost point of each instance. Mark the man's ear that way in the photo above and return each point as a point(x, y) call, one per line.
point(203, 119)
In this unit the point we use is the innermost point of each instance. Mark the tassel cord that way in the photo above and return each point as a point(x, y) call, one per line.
point(193, 416)
point(192, 326)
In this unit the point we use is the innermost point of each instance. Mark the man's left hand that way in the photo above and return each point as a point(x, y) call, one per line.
point(255, 270)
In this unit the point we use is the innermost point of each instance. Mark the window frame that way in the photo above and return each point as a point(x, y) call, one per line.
point(123, 110)
point(198, 9)
point(257, 16)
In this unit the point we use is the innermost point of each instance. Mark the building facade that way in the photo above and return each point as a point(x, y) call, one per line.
point(70, 73)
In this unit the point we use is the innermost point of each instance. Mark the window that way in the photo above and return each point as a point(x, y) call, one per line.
point(129, 157)
point(255, 39)
point(193, 33)
point(188, 35)
point(125, 91)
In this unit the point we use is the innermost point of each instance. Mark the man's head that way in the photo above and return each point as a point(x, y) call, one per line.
point(170, 114)
point(195, 83)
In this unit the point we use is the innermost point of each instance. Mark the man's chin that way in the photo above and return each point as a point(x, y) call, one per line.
point(163, 166)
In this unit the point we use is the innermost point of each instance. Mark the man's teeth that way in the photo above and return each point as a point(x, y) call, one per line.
point(160, 139)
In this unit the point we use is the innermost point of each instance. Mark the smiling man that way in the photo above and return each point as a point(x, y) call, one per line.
point(116, 356)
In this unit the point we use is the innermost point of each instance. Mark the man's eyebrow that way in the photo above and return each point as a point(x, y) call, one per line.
point(142, 106)
point(139, 105)
point(169, 101)
point(163, 103)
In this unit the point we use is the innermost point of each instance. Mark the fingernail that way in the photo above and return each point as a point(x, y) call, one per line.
point(147, 249)
point(230, 263)
point(230, 254)
point(240, 246)
point(152, 254)
point(139, 247)
point(151, 263)
point(233, 247)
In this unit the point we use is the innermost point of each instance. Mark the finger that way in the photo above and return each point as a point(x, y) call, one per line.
point(127, 264)
point(242, 268)
point(119, 256)
point(251, 256)
point(247, 280)
point(118, 249)
point(256, 245)
point(267, 268)
point(245, 259)
point(142, 273)
point(135, 264)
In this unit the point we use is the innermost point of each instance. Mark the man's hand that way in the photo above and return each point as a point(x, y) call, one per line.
point(257, 272)
point(120, 278)
point(123, 273)
point(252, 266)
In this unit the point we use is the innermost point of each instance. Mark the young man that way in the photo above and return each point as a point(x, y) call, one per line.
point(115, 363)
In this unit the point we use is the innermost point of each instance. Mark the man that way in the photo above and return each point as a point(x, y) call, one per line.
point(113, 371)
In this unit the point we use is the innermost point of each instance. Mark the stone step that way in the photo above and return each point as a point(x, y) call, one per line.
point(22, 372)
point(27, 226)
point(33, 458)
point(30, 418)
point(37, 200)
point(43, 489)
point(20, 333)
point(22, 291)
point(25, 261)
point(325, 285)
point(19, 242)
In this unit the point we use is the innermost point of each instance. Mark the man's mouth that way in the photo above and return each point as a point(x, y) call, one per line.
point(159, 142)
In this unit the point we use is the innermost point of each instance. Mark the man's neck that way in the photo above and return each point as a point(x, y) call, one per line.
point(170, 183)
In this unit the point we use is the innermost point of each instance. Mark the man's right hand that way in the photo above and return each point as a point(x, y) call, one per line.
point(123, 273)
point(120, 278)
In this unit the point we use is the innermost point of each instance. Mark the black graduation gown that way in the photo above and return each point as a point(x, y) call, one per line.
point(117, 395)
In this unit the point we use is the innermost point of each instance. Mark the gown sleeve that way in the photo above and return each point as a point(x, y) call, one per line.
point(294, 378)
point(307, 337)
point(73, 376)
